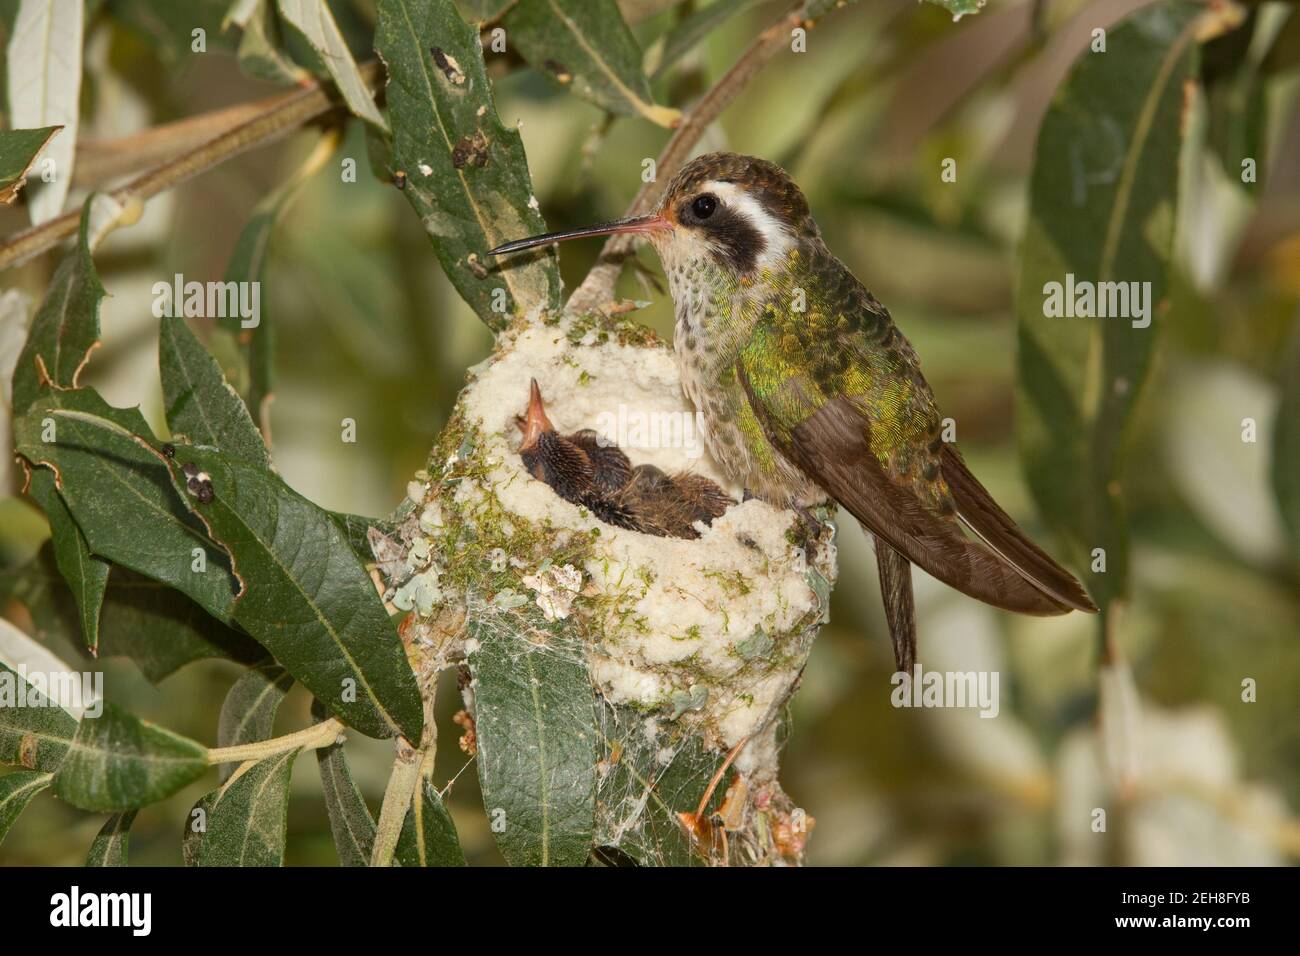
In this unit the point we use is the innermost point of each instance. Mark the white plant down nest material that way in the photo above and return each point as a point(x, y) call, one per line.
point(712, 632)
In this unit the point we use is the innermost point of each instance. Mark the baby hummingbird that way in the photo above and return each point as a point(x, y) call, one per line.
point(583, 469)
point(808, 392)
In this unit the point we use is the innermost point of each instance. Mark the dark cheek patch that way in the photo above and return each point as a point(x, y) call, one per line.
point(738, 240)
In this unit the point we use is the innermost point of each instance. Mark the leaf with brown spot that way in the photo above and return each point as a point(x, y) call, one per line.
point(466, 172)
point(18, 150)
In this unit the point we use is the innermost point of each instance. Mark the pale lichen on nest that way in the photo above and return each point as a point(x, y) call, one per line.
point(706, 636)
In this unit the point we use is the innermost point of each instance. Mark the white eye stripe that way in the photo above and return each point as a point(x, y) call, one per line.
point(776, 238)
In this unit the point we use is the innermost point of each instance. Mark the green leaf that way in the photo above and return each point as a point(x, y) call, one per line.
point(261, 47)
point(122, 496)
point(157, 627)
point(44, 83)
point(308, 600)
point(537, 737)
point(161, 630)
point(356, 528)
point(196, 825)
point(1234, 95)
point(16, 791)
point(351, 823)
point(256, 344)
point(1284, 52)
point(16, 309)
point(168, 27)
point(36, 730)
point(1102, 209)
point(465, 173)
point(66, 326)
point(683, 37)
point(248, 712)
point(18, 150)
point(113, 842)
point(586, 43)
point(428, 834)
point(200, 405)
point(118, 762)
point(85, 574)
point(480, 11)
point(312, 18)
point(248, 817)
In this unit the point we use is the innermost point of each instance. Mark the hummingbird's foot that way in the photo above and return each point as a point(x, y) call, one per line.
point(747, 495)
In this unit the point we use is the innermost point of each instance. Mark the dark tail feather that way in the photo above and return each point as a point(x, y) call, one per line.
point(979, 512)
point(900, 610)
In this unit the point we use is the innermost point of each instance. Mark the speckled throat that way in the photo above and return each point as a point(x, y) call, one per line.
point(716, 313)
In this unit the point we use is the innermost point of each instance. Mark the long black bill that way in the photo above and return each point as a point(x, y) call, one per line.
point(634, 224)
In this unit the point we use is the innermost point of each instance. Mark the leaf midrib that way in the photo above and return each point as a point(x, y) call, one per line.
point(442, 129)
point(1096, 388)
point(595, 57)
point(325, 623)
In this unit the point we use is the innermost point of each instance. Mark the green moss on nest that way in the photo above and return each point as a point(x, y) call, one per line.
point(474, 530)
point(603, 329)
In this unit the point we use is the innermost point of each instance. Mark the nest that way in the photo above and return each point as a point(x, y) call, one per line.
point(694, 647)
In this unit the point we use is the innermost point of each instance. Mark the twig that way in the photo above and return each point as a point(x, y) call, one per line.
point(717, 777)
point(100, 160)
point(397, 802)
point(598, 287)
point(279, 116)
point(314, 737)
point(411, 769)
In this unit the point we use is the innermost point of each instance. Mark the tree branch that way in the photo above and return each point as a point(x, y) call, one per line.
point(598, 287)
point(278, 116)
point(99, 160)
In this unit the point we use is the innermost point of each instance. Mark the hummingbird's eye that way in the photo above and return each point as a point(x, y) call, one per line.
point(704, 205)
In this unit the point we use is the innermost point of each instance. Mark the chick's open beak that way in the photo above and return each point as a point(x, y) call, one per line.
point(535, 422)
point(635, 224)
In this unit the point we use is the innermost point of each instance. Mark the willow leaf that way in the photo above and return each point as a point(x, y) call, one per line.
point(351, 823)
point(121, 494)
point(38, 718)
point(1103, 197)
point(428, 835)
point(248, 712)
point(85, 574)
point(66, 326)
point(247, 819)
point(18, 150)
point(312, 18)
point(118, 762)
point(44, 83)
point(308, 600)
point(587, 44)
point(200, 404)
point(16, 791)
point(537, 742)
point(111, 845)
point(464, 172)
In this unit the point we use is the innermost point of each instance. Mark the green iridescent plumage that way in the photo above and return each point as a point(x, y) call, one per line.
point(843, 343)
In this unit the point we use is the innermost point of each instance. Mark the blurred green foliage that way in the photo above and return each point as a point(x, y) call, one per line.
point(370, 329)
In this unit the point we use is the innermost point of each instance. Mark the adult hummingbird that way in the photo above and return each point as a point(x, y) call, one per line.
point(808, 392)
